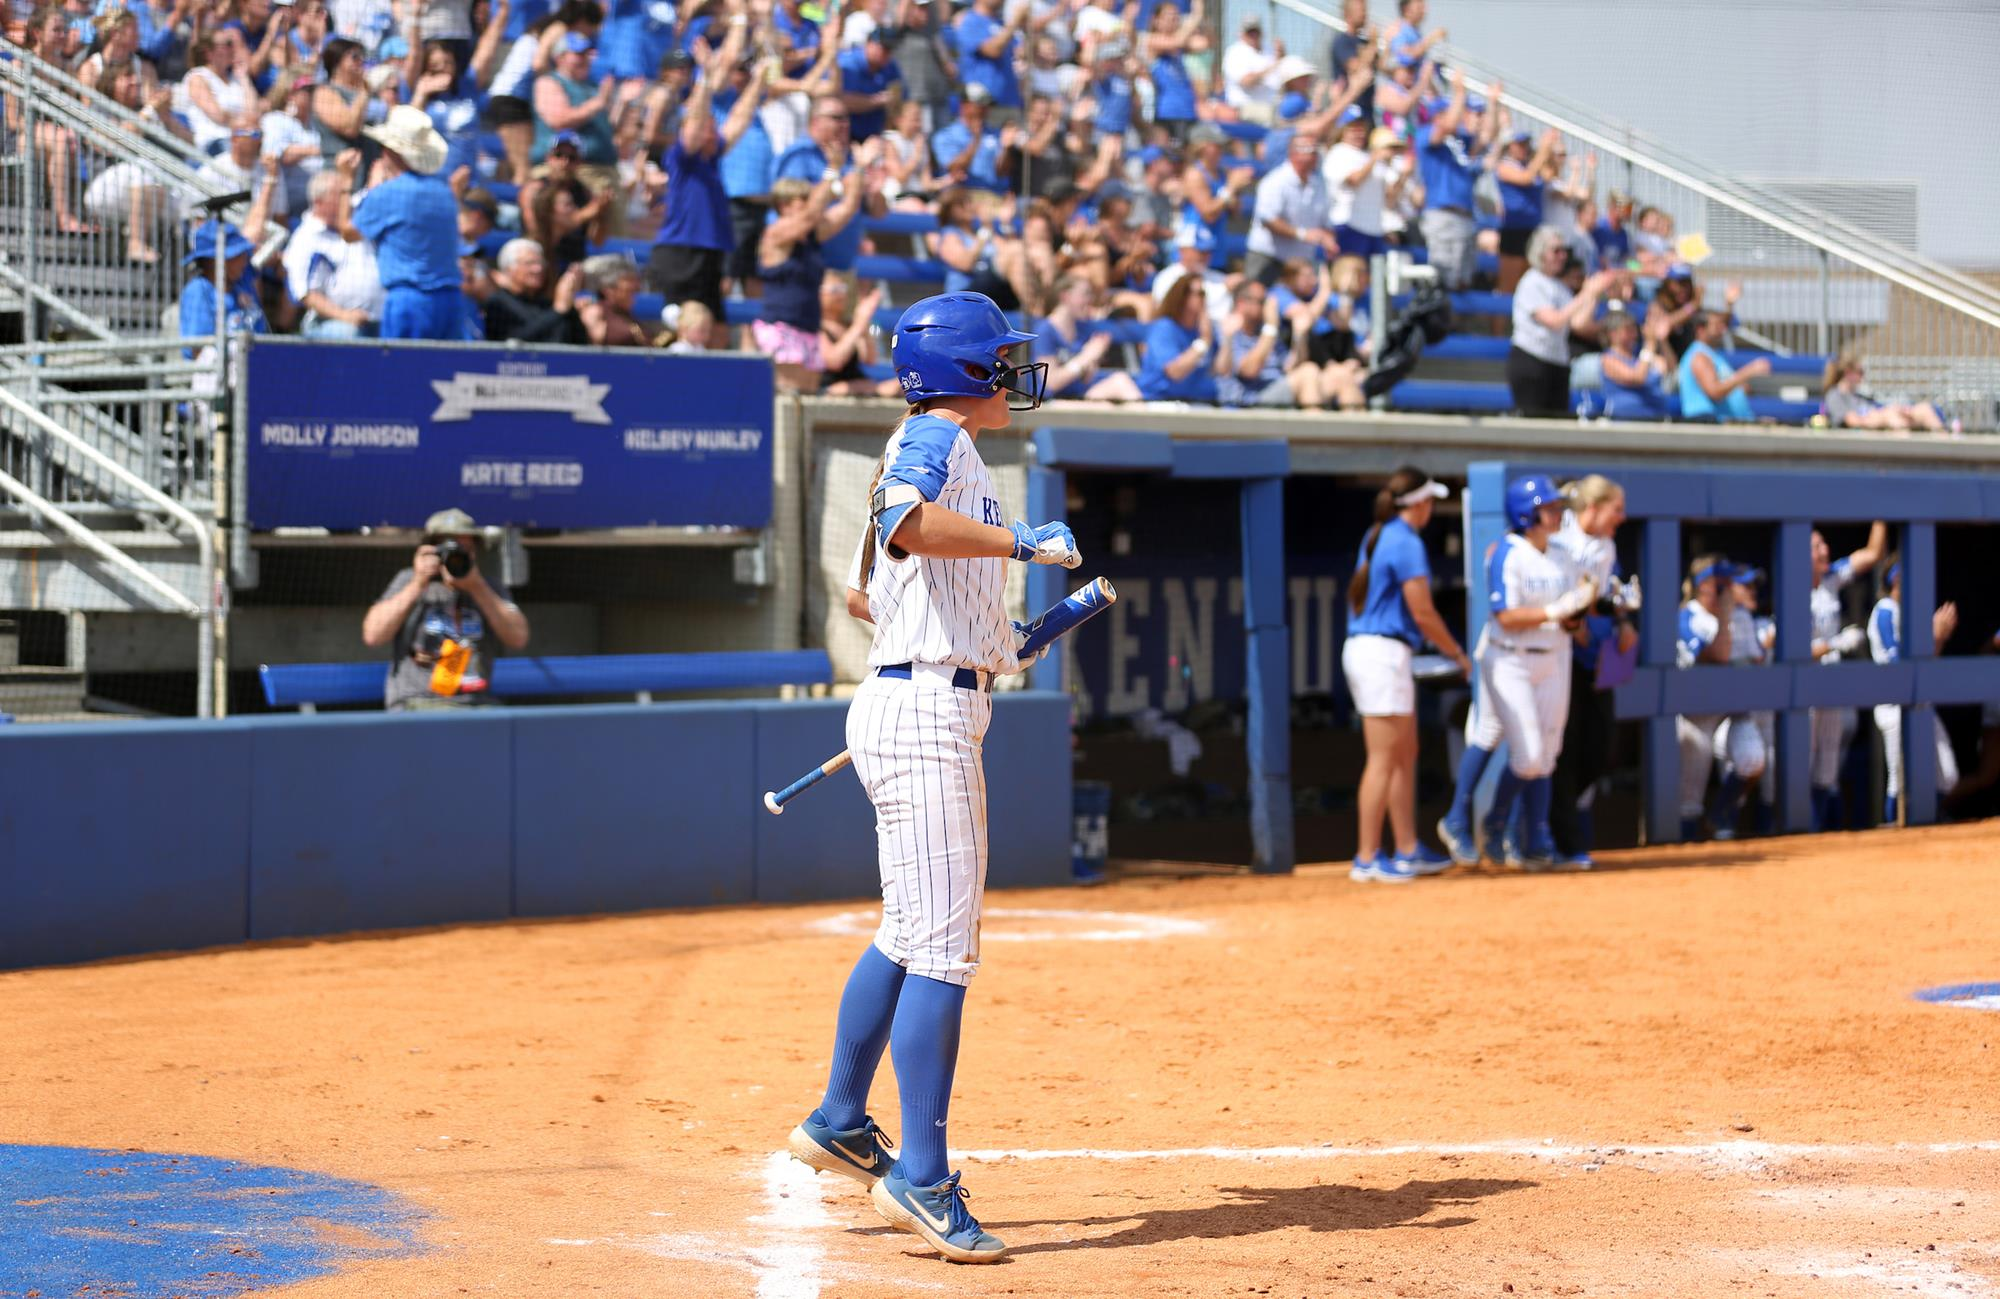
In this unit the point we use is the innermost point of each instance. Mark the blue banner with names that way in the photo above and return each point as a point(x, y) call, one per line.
point(358, 435)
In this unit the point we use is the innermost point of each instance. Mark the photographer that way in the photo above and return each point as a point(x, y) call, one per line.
point(437, 613)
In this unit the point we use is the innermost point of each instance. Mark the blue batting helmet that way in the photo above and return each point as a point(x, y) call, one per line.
point(954, 345)
point(1526, 496)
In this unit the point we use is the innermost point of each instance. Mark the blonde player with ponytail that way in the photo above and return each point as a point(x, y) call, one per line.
point(1390, 613)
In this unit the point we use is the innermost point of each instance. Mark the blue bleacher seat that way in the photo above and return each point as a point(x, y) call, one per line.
point(1469, 347)
point(1440, 397)
point(305, 685)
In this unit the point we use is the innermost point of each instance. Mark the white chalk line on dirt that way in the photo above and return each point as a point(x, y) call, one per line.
point(1734, 1154)
point(1106, 926)
point(783, 1247)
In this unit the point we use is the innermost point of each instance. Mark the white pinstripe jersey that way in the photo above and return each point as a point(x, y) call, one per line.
point(948, 611)
point(1520, 577)
point(1594, 556)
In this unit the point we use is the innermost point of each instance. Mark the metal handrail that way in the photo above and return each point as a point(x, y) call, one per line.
point(1750, 198)
point(152, 496)
point(1918, 274)
point(155, 143)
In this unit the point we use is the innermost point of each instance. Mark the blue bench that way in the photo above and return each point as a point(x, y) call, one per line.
point(307, 685)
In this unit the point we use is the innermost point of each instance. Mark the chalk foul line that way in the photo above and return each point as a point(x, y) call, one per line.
point(1739, 1154)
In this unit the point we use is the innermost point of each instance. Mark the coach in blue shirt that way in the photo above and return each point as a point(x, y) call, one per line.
point(868, 78)
point(825, 149)
point(1451, 152)
point(1389, 616)
point(411, 217)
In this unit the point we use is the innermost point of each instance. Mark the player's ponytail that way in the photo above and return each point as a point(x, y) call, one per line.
point(868, 504)
point(1401, 483)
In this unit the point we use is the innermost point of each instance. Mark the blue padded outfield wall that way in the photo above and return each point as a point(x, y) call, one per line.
point(125, 838)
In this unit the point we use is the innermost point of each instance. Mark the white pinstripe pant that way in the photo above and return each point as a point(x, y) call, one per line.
point(917, 748)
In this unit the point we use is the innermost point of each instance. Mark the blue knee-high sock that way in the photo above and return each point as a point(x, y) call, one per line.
point(1471, 766)
point(924, 1045)
point(1505, 793)
point(1728, 803)
point(1888, 809)
point(1537, 796)
point(867, 1008)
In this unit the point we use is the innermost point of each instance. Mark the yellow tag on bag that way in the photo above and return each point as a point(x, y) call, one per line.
point(452, 661)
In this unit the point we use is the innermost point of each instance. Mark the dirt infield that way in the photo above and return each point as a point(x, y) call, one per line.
point(1707, 1080)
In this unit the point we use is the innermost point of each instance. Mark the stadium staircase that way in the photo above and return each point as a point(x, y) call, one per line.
point(107, 492)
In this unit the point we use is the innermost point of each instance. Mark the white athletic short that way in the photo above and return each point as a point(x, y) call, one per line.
point(1378, 676)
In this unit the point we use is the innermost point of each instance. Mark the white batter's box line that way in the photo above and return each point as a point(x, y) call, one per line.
point(1104, 926)
point(1738, 1154)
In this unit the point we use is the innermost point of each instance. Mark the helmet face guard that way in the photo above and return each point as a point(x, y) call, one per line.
point(1027, 383)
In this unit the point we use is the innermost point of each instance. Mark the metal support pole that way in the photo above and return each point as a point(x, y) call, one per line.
point(1791, 606)
point(1268, 677)
point(1824, 333)
point(1047, 583)
point(1378, 318)
point(1920, 724)
point(1660, 571)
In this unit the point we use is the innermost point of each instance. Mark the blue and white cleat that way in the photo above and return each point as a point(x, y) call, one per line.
point(1458, 841)
point(1395, 870)
point(1363, 870)
point(861, 1153)
point(1428, 861)
point(1538, 856)
point(938, 1215)
point(1502, 849)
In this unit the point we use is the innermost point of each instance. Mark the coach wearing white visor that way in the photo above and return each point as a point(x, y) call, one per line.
point(1390, 614)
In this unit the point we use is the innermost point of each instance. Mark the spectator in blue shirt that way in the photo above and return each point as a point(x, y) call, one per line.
point(1164, 50)
point(411, 217)
point(696, 234)
point(636, 35)
point(967, 152)
point(1450, 155)
point(1178, 365)
point(264, 37)
point(1522, 172)
point(799, 34)
point(1712, 390)
point(987, 47)
point(870, 83)
point(825, 153)
point(1411, 43)
point(1634, 375)
point(243, 314)
point(1614, 242)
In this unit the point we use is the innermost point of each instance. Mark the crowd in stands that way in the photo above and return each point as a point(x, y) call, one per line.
point(1181, 215)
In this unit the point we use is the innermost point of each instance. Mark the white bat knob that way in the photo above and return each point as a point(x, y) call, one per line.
point(771, 803)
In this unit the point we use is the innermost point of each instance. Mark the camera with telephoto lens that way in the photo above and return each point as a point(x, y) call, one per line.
point(453, 557)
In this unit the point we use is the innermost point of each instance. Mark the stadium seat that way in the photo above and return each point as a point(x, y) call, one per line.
point(1439, 397)
point(1469, 347)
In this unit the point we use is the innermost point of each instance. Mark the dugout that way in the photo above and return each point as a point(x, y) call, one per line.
point(1172, 541)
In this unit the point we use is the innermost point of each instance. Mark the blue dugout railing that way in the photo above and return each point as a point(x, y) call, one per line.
point(1658, 501)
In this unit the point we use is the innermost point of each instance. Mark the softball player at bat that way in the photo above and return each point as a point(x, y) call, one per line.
point(1885, 645)
point(1833, 728)
point(915, 729)
point(1532, 588)
point(1390, 613)
point(1712, 629)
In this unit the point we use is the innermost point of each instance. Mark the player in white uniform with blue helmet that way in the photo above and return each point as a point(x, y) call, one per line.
point(1885, 645)
point(1532, 589)
point(916, 728)
point(1759, 649)
point(1833, 728)
point(1713, 629)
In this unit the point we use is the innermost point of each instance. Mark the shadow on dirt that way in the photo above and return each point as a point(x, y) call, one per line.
point(1251, 1211)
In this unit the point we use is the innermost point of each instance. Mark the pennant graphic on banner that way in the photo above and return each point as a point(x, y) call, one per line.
point(464, 395)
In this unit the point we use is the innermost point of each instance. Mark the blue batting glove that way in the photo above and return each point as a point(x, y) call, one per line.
point(1052, 543)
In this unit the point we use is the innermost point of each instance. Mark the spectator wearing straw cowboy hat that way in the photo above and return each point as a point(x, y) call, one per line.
point(411, 216)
